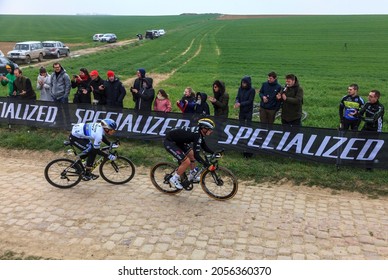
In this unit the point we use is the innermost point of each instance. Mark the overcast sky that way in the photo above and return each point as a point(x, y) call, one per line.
point(175, 7)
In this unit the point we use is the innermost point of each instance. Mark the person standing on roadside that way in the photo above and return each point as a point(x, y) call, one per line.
point(292, 100)
point(22, 86)
point(82, 83)
point(162, 102)
point(60, 84)
point(244, 101)
point(114, 90)
point(9, 78)
point(269, 104)
point(349, 106)
point(97, 87)
point(220, 99)
point(138, 84)
point(43, 85)
point(374, 113)
point(145, 96)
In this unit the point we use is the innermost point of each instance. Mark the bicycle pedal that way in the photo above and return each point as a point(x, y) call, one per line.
point(187, 185)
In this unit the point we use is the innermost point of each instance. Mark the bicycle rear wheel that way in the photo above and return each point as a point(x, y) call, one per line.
point(220, 184)
point(160, 175)
point(63, 173)
point(117, 172)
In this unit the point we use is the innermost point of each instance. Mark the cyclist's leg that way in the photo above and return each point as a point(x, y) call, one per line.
point(81, 144)
point(183, 161)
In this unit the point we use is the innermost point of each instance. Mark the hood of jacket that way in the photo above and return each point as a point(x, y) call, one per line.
point(246, 79)
point(203, 96)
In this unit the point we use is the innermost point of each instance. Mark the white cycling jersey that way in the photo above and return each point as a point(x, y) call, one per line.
point(92, 131)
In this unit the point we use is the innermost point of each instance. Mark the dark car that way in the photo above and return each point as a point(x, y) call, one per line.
point(109, 37)
point(152, 34)
point(55, 49)
point(3, 62)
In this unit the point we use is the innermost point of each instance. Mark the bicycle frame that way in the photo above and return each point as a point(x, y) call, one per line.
point(210, 159)
point(98, 160)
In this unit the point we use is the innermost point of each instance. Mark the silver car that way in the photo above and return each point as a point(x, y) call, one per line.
point(27, 51)
point(55, 49)
point(109, 37)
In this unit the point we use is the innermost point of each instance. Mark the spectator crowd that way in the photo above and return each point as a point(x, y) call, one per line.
point(92, 88)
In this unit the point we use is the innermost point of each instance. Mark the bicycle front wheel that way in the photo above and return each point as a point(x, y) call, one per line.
point(220, 184)
point(160, 175)
point(117, 172)
point(63, 173)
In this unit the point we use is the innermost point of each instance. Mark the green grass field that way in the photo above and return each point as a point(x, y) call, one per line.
point(198, 49)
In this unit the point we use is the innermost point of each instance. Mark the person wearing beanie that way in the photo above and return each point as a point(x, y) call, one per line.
point(43, 85)
point(97, 87)
point(142, 72)
point(9, 78)
point(114, 90)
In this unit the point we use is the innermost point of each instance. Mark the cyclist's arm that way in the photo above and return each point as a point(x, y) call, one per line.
point(197, 147)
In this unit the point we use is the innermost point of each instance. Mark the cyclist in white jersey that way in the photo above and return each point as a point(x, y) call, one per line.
point(88, 138)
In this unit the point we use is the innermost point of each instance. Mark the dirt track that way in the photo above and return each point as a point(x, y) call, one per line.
point(96, 220)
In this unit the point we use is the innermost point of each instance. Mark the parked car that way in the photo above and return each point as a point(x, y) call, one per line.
point(27, 51)
point(161, 32)
point(151, 34)
point(97, 37)
point(55, 49)
point(3, 62)
point(109, 37)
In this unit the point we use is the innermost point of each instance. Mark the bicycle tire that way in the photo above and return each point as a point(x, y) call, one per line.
point(63, 173)
point(117, 172)
point(160, 175)
point(279, 113)
point(223, 187)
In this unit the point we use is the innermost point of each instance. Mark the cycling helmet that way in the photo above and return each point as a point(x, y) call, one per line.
point(206, 123)
point(109, 124)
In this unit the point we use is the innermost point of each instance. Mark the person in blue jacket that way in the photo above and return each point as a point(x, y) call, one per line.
point(269, 104)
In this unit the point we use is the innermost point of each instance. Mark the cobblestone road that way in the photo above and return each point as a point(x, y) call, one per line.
point(96, 220)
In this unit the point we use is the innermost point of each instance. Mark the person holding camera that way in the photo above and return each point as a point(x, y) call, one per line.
point(97, 87)
point(82, 82)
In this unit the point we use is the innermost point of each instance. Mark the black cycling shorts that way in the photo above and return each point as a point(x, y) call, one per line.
point(178, 151)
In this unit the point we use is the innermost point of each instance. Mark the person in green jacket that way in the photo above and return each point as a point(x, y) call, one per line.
point(9, 78)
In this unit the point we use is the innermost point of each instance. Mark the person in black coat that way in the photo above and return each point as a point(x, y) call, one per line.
point(244, 101)
point(97, 87)
point(201, 107)
point(145, 96)
point(114, 90)
point(82, 82)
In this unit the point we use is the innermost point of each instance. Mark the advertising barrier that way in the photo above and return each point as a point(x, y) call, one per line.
point(331, 146)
